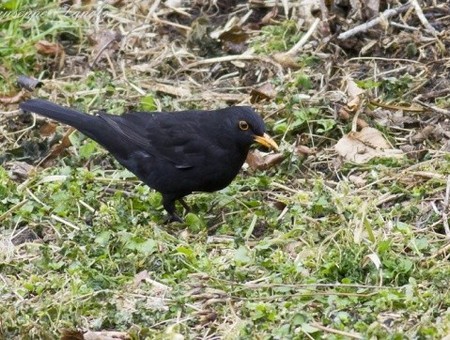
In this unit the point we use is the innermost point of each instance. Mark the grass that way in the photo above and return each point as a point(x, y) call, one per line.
point(312, 248)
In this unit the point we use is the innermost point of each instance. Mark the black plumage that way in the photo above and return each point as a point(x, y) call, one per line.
point(174, 153)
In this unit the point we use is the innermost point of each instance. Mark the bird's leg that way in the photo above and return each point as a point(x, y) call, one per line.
point(169, 205)
point(173, 218)
point(184, 204)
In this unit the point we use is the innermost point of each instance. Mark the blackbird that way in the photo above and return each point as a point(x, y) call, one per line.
point(174, 153)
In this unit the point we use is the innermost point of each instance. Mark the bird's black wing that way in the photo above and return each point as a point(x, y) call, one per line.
point(177, 138)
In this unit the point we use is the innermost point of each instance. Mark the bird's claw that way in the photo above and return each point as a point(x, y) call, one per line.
point(174, 218)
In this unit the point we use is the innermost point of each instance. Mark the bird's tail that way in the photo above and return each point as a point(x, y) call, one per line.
point(83, 122)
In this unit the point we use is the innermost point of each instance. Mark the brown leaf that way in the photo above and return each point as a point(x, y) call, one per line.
point(371, 137)
point(272, 14)
point(360, 123)
point(353, 104)
point(279, 205)
point(45, 47)
point(257, 161)
point(47, 129)
point(303, 150)
point(360, 147)
point(264, 92)
point(58, 149)
point(104, 42)
point(71, 334)
point(234, 40)
point(343, 113)
point(207, 316)
point(14, 99)
point(176, 91)
point(286, 60)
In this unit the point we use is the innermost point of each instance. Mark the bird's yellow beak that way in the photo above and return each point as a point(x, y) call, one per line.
point(267, 141)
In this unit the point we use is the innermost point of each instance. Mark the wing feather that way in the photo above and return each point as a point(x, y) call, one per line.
point(160, 135)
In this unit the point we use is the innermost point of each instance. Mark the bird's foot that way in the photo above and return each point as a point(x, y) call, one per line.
point(173, 218)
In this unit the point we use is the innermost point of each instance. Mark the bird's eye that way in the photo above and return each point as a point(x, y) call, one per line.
point(243, 125)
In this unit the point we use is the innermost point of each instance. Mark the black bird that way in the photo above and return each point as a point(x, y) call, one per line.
point(173, 153)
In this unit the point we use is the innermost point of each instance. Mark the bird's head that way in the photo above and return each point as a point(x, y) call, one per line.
point(248, 128)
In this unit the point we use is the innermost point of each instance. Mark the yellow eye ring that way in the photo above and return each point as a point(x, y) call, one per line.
point(243, 125)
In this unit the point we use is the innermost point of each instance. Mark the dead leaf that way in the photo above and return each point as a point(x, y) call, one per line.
point(19, 170)
point(207, 316)
point(104, 42)
point(59, 148)
point(343, 113)
point(303, 150)
point(362, 146)
point(258, 161)
point(139, 277)
point(360, 123)
point(45, 47)
point(47, 129)
point(353, 104)
point(286, 60)
point(69, 334)
point(14, 99)
point(264, 92)
point(371, 137)
point(232, 36)
point(176, 91)
point(234, 40)
point(354, 93)
point(279, 205)
point(272, 14)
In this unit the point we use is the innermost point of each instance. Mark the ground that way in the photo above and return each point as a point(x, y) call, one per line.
point(342, 234)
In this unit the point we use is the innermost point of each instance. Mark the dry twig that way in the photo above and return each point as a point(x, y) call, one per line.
point(422, 17)
point(383, 16)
